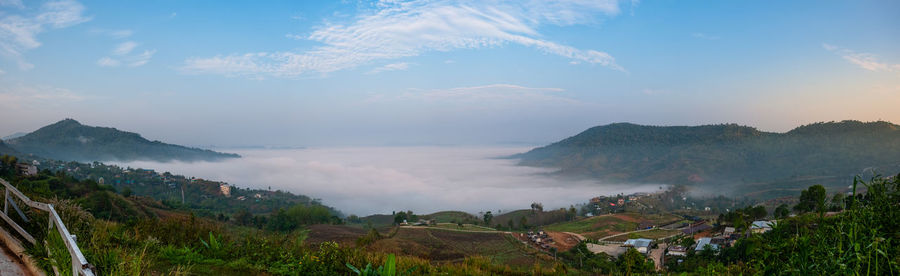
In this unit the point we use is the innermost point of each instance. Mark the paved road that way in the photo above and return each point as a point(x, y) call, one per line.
point(10, 266)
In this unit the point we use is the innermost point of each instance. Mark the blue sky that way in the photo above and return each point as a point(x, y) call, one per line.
point(311, 73)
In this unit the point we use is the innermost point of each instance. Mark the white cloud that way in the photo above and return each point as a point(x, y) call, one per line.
point(117, 34)
point(108, 62)
point(411, 28)
point(12, 3)
point(422, 179)
point(143, 58)
point(124, 48)
point(400, 66)
point(863, 60)
point(19, 30)
point(120, 56)
point(704, 36)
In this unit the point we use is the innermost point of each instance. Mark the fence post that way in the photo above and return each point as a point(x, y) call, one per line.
point(5, 200)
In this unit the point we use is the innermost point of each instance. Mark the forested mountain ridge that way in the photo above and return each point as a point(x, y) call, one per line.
point(726, 154)
point(70, 140)
point(6, 149)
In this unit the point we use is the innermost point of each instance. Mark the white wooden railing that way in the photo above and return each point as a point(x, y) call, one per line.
point(80, 265)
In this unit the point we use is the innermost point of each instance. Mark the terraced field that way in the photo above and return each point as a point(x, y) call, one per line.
point(453, 246)
point(606, 225)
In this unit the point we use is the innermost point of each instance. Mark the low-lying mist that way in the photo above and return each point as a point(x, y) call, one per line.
point(374, 180)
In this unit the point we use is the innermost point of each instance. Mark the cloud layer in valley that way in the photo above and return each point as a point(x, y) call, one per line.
point(380, 180)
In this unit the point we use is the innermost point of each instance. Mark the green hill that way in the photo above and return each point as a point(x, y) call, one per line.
point(726, 156)
point(6, 149)
point(70, 140)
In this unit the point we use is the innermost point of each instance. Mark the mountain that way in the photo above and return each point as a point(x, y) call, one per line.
point(726, 157)
point(6, 149)
point(13, 136)
point(70, 140)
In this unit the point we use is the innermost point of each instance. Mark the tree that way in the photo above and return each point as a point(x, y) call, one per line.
point(400, 217)
point(127, 192)
point(510, 223)
point(243, 217)
point(782, 211)
point(488, 217)
point(537, 206)
point(633, 262)
point(812, 199)
point(837, 202)
point(572, 213)
point(523, 222)
point(758, 212)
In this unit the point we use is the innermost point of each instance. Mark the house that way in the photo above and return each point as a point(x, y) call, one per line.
point(728, 231)
point(27, 170)
point(761, 226)
point(621, 201)
point(676, 250)
point(242, 198)
point(225, 189)
point(641, 245)
point(703, 242)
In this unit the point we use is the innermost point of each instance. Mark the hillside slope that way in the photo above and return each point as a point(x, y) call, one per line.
point(718, 155)
point(6, 149)
point(70, 140)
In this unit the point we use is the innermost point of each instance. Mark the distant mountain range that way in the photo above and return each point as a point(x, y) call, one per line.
point(13, 136)
point(726, 157)
point(70, 140)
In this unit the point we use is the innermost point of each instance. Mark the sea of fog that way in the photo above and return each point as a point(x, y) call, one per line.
point(378, 180)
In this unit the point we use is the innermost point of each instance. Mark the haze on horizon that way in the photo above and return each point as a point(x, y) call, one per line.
point(349, 73)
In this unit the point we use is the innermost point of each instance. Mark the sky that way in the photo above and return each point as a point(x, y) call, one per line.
point(382, 73)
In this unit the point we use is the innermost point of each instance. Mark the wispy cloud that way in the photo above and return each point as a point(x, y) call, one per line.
point(12, 3)
point(19, 28)
point(398, 29)
point(704, 36)
point(18, 96)
point(121, 55)
point(863, 60)
point(124, 48)
point(400, 66)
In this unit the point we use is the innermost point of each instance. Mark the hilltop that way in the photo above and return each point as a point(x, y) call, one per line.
point(725, 156)
point(70, 140)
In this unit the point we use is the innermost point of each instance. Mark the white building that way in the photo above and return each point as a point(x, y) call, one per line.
point(641, 245)
point(226, 190)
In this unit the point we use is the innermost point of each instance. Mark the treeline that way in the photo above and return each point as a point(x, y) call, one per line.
point(286, 220)
point(860, 240)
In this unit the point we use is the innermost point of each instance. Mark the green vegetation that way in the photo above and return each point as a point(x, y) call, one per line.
point(136, 235)
point(733, 157)
point(862, 240)
point(70, 140)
